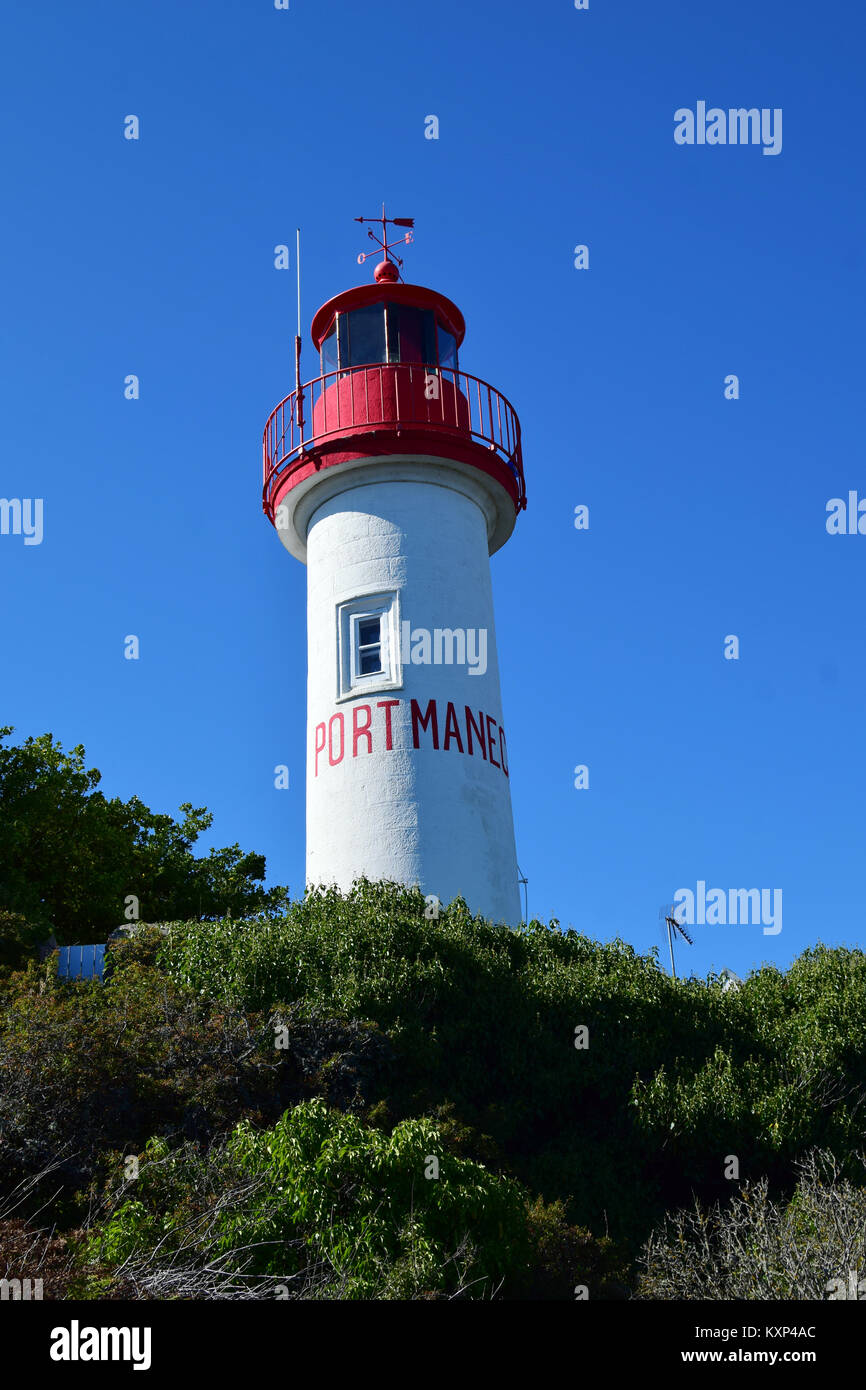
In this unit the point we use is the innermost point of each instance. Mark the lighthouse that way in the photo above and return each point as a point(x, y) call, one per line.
point(394, 475)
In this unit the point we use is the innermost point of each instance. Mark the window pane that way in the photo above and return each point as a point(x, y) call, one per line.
point(329, 352)
point(370, 662)
point(429, 341)
point(343, 336)
point(447, 347)
point(411, 334)
point(392, 322)
point(367, 335)
point(369, 631)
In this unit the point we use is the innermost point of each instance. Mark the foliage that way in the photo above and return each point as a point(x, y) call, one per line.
point(677, 1075)
point(70, 857)
point(367, 1200)
point(89, 1067)
point(755, 1248)
point(322, 1190)
point(29, 1254)
point(287, 1072)
point(19, 939)
point(569, 1262)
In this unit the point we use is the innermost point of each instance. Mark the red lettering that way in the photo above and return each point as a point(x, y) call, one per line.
point(491, 720)
point(387, 706)
point(430, 718)
point(479, 732)
point(319, 746)
point(331, 759)
point(484, 729)
point(451, 729)
point(361, 731)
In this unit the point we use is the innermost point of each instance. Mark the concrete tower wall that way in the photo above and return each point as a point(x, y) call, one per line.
point(439, 816)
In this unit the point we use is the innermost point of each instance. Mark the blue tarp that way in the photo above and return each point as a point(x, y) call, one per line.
point(81, 962)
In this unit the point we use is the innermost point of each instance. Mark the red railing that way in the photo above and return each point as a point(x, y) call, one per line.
point(389, 396)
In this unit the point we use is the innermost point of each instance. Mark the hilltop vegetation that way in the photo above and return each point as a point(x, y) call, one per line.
point(352, 1100)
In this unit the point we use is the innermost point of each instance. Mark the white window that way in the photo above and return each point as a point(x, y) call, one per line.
point(368, 642)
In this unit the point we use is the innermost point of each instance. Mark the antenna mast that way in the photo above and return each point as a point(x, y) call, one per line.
point(299, 393)
point(673, 927)
point(298, 266)
point(525, 881)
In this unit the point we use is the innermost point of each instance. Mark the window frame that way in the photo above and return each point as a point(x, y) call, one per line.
point(350, 613)
point(359, 649)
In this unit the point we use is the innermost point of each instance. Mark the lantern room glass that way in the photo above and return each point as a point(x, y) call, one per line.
point(361, 336)
point(380, 333)
point(330, 360)
point(447, 346)
point(411, 334)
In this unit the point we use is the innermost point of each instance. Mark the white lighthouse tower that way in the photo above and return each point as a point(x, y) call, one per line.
point(393, 476)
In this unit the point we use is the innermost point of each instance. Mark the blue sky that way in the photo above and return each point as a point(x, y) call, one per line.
point(707, 516)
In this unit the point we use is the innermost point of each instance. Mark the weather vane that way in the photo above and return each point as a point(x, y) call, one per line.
point(385, 244)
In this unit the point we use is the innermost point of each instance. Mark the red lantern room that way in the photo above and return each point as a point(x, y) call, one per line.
point(390, 384)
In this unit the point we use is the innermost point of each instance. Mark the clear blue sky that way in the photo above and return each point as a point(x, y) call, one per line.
point(707, 516)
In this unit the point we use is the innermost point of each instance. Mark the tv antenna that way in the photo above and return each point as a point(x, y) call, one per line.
point(384, 244)
point(674, 927)
point(521, 878)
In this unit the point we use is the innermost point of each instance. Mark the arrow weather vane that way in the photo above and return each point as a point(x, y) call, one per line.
point(385, 244)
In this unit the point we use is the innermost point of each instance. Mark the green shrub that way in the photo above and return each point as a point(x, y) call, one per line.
point(677, 1074)
point(367, 1201)
point(457, 1024)
point(88, 1068)
point(19, 940)
point(320, 1191)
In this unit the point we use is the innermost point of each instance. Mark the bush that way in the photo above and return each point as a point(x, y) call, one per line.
point(377, 1215)
point(361, 1002)
point(19, 940)
point(568, 1262)
point(754, 1248)
point(677, 1074)
point(89, 1067)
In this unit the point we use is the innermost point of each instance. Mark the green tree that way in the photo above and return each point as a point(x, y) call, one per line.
point(70, 857)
